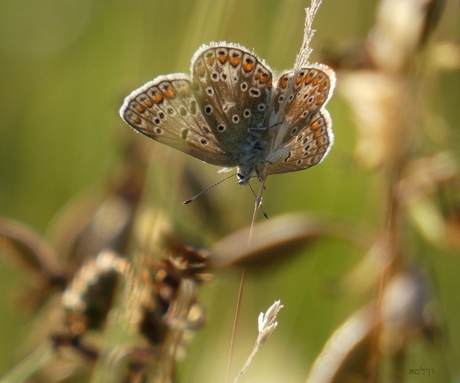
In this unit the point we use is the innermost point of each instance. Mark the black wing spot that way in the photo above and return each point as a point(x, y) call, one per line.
point(254, 92)
point(288, 156)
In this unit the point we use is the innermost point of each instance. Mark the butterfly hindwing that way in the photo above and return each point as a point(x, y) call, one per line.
point(307, 148)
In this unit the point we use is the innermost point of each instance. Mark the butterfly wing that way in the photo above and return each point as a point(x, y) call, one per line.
point(233, 86)
point(303, 135)
point(167, 110)
point(306, 149)
point(297, 98)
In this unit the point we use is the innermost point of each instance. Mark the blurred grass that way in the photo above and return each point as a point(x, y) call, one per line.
point(65, 69)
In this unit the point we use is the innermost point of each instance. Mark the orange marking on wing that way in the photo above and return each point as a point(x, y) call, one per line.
point(317, 136)
point(315, 125)
point(158, 98)
point(322, 87)
point(185, 91)
point(315, 82)
point(308, 79)
point(298, 80)
point(137, 120)
point(265, 78)
point(211, 60)
point(320, 101)
point(200, 71)
point(148, 103)
point(235, 61)
point(140, 109)
point(223, 59)
point(169, 93)
point(248, 67)
point(283, 83)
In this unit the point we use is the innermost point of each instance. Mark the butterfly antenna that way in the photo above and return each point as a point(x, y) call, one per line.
point(208, 188)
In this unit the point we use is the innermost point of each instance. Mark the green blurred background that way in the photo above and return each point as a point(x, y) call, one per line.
point(65, 68)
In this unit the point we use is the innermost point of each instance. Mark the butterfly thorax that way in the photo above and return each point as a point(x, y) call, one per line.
point(252, 156)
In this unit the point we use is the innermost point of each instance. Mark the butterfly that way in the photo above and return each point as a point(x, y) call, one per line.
point(234, 112)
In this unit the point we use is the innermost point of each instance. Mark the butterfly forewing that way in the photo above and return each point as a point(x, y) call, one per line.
point(308, 148)
point(167, 110)
point(233, 86)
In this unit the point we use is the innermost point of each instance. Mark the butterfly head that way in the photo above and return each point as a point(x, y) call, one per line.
point(245, 173)
point(253, 154)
